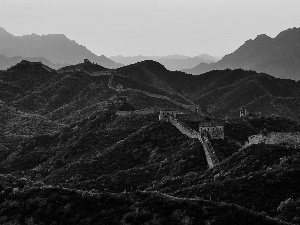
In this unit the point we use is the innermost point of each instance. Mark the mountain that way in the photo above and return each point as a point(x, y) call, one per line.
point(69, 94)
point(224, 92)
point(73, 92)
point(209, 57)
point(171, 62)
point(84, 145)
point(7, 62)
point(107, 154)
point(278, 56)
point(56, 48)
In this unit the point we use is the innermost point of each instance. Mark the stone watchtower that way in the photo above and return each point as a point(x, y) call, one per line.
point(213, 129)
point(86, 61)
point(243, 113)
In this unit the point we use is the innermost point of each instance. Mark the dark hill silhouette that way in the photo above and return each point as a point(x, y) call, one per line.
point(277, 56)
point(220, 92)
point(7, 62)
point(223, 92)
point(230, 90)
point(171, 62)
point(54, 47)
point(68, 95)
point(85, 66)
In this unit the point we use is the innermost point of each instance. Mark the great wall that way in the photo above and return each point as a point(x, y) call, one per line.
point(191, 107)
point(291, 139)
point(211, 157)
point(210, 154)
point(275, 138)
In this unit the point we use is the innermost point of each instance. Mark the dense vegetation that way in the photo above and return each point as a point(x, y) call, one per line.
point(25, 203)
point(67, 158)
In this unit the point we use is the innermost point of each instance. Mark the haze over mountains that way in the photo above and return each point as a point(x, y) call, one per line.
point(171, 62)
point(279, 56)
point(56, 48)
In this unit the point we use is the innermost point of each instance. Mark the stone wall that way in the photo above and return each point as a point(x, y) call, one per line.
point(137, 112)
point(99, 73)
point(211, 156)
point(188, 107)
point(214, 132)
point(292, 139)
point(184, 129)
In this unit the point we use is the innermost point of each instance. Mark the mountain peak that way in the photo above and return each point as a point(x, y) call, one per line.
point(25, 65)
point(56, 48)
point(151, 64)
point(4, 32)
point(262, 37)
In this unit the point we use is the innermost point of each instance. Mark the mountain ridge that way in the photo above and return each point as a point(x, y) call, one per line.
point(56, 48)
point(278, 56)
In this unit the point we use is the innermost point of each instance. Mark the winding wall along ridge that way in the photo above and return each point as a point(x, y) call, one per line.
point(148, 94)
point(211, 156)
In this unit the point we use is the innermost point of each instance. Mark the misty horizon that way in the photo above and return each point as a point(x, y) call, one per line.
point(151, 28)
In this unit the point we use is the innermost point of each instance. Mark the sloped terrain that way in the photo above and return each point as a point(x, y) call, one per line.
point(277, 56)
point(70, 96)
point(223, 92)
point(72, 151)
point(235, 89)
point(21, 203)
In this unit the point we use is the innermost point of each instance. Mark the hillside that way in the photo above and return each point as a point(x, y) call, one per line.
point(47, 205)
point(56, 48)
point(106, 153)
point(224, 92)
point(68, 92)
point(64, 146)
point(231, 90)
point(68, 95)
point(278, 56)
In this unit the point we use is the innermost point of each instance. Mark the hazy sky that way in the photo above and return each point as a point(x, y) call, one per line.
point(152, 27)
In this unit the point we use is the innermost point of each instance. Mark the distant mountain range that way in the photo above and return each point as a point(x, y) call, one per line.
point(171, 62)
point(56, 48)
point(279, 56)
